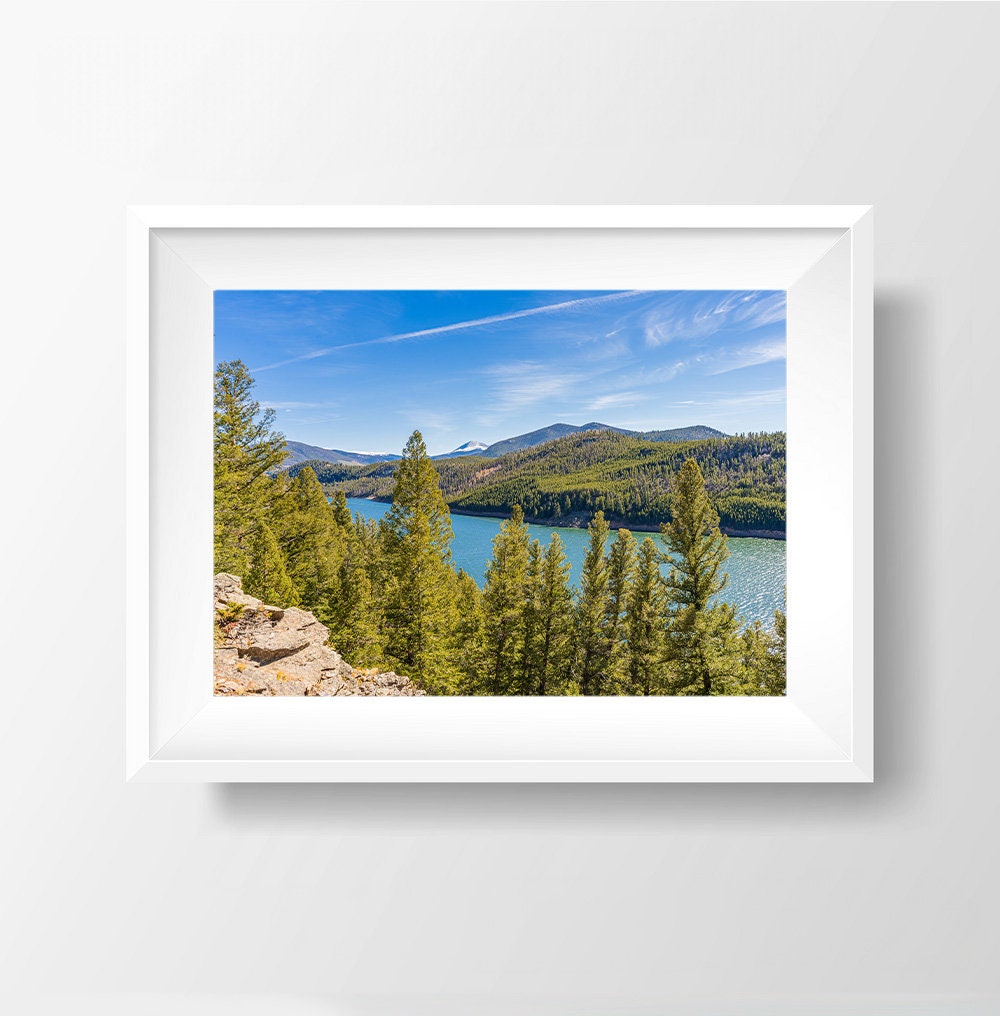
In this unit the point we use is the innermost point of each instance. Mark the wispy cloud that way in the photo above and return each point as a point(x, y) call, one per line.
point(526, 382)
point(616, 400)
point(297, 405)
point(765, 397)
point(424, 333)
point(678, 319)
point(751, 355)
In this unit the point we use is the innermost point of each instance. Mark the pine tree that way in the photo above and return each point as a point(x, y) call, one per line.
point(246, 450)
point(776, 684)
point(527, 683)
point(556, 622)
point(503, 608)
point(313, 544)
point(644, 621)
point(621, 571)
point(592, 636)
point(701, 637)
point(357, 623)
point(469, 633)
point(341, 513)
point(266, 577)
point(420, 599)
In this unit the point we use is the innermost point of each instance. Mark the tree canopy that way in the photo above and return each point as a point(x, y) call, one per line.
point(647, 619)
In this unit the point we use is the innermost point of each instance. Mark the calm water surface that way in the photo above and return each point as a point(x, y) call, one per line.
point(756, 567)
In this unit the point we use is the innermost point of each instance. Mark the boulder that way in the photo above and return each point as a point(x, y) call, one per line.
point(269, 650)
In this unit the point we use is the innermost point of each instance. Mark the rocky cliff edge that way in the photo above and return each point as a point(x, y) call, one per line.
point(265, 650)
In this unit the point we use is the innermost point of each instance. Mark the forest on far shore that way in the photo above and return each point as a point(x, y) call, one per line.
point(643, 621)
point(626, 477)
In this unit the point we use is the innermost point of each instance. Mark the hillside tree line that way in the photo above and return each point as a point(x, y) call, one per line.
point(646, 619)
point(625, 476)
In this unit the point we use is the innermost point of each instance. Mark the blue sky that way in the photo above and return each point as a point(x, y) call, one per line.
point(361, 370)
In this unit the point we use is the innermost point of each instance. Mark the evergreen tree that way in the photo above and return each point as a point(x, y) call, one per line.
point(776, 680)
point(700, 636)
point(246, 450)
point(420, 599)
point(314, 545)
point(592, 635)
point(554, 650)
point(341, 513)
point(357, 621)
point(621, 572)
point(266, 577)
point(754, 647)
point(531, 621)
point(644, 621)
point(469, 633)
point(503, 608)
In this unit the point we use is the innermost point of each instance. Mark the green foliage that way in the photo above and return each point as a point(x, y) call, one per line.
point(592, 622)
point(421, 609)
point(314, 544)
point(503, 638)
point(645, 620)
point(621, 578)
point(246, 451)
point(626, 476)
point(267, 578)
point(341, 513)
point(553, 647)
point(230, 612)
point(469, 634)
point(763, 659)
point(392, 598)
point(700, 636)
point(357, 618)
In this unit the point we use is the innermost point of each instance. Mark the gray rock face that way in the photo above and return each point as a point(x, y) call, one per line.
point(265, 650)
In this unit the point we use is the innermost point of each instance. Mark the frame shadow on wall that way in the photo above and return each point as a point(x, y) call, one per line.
point(904, 389)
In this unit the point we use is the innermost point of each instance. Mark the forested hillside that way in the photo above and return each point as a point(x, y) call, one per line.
point(644, 620)
point(297, 452)
point(626, 477)
point(557, 430)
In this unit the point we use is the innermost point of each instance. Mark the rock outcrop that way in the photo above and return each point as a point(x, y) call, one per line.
point(264, 650)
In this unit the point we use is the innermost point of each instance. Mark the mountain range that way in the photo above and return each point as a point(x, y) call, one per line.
point(299, 452)
point(625, 475)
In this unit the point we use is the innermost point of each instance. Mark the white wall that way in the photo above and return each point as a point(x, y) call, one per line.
point(521, 899)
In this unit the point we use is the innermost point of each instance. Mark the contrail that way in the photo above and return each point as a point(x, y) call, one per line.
point(476, 323)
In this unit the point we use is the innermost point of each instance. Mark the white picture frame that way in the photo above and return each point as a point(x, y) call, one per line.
point(821, 731)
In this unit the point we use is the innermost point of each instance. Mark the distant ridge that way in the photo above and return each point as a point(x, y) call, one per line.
point(537, 437)
point(469, 448)
point(299, 452)
point(628, 476)
point(557, 430)
point(698, 433)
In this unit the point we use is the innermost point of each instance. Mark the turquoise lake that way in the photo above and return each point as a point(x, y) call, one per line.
point(756, 567)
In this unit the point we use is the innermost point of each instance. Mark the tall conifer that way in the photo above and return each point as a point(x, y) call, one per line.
point(246, 450)
point(420, 606)
point(266, 576)
point(313, 544)
point(556, 623)
point(503, 608)
point(621, 572)
point(592, 635)
point(700, 636)
point(644, 621)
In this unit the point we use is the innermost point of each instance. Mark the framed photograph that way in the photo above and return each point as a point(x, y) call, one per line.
point(500, 494)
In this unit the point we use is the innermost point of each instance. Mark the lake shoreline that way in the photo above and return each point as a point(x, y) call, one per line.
point(580, 520)
point(756, 567)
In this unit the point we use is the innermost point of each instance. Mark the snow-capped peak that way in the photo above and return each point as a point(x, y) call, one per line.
point(469, 447)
